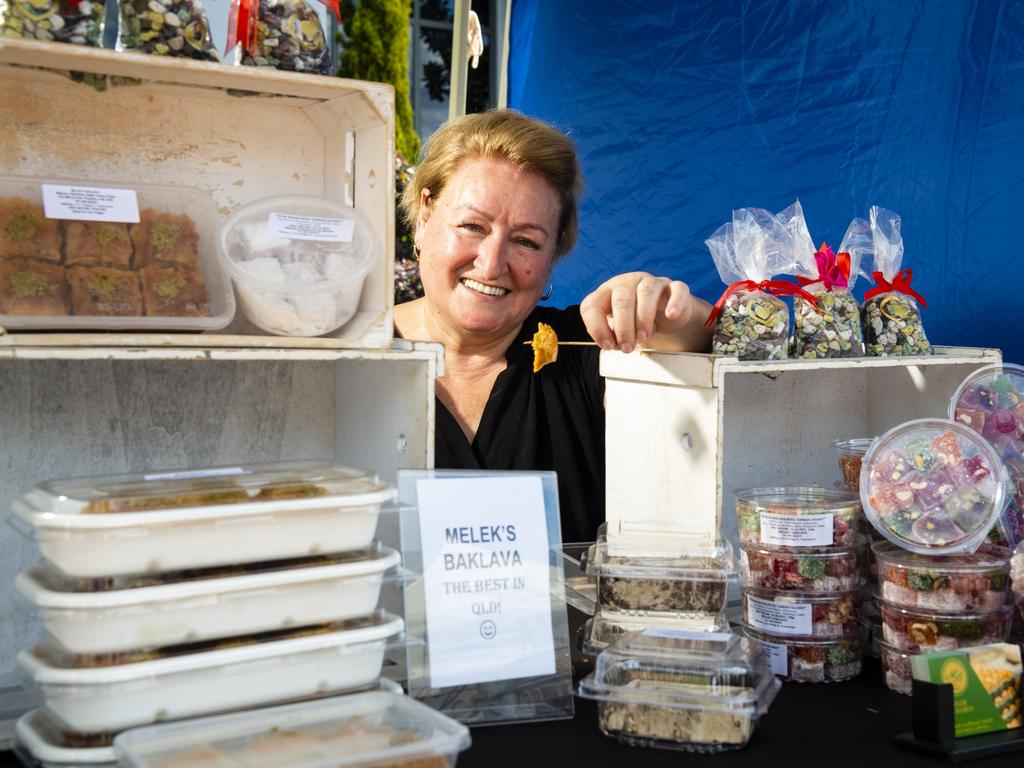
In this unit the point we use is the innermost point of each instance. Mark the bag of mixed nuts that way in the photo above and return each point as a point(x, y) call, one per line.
point(284, 34)
point(63, 21)
point(166, 28)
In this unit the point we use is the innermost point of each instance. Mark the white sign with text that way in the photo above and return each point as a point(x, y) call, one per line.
point(90, 204)
point(487, 580)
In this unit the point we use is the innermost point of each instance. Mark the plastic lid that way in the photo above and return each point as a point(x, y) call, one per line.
point(807, 498)
point(961, 564)
point(294, 481)
point(854, 446)
point(373, 728)
point(932, 486)
point(299, 244)
point(657, 550)
point(600, 631)
point(990, 401)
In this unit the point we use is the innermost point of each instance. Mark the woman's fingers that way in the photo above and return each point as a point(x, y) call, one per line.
point(629, 309)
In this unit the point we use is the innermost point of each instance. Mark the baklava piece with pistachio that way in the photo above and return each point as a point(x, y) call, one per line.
point(165, 238)
point(26, 232)
point(97, 242)
point(174, 292)
point(31, 287)
point(104, 291)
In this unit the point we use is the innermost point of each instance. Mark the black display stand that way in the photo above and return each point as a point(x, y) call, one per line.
point(934, 730)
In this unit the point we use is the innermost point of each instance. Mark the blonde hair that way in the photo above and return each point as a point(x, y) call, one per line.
point(525, 142)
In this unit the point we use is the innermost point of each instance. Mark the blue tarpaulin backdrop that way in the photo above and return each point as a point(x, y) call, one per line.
point(683, 111)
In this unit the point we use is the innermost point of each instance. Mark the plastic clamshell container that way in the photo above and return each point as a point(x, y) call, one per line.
point(169, 521)
point(165, 199)
point(933, 486)
point(240, 673)
point(975, 583)
point(130, 613)
point(918, 630)
point(812, 660)
point(600, 631)
point(797, 516)
point(297, 272)
point(850, 453)
point(802, 569)
point(670, 574)
point(793, 613)
point(684, 691)
point(896, 668)
point(364, 729)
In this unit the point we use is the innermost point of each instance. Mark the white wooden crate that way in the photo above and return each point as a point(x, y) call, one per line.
point(287, 134)
point(685, 430)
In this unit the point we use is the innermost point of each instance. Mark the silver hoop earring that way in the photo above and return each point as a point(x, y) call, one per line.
point(547, 293)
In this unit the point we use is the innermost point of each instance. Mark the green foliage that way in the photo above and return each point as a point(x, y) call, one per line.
point(377, 50)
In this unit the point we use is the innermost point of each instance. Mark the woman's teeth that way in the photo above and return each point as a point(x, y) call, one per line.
point(490, 290)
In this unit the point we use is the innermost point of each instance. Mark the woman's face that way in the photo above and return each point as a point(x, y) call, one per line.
point(487, 243)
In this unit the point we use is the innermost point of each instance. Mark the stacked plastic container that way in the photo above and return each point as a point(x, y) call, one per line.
point(801, 567)
point(173, 595)
point(656, 575)
point(934, 489)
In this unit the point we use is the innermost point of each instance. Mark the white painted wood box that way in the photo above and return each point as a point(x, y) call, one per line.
point(685, 430)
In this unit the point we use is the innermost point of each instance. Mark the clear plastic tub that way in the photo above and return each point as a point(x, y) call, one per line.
point(896, 668)
point(956, 583)
point(933, 486)
point(364, 729)
point(921, 631)
point(600, 631)
point(816, 570)
point(812, 660)
point(792, 613)
point(298, 262)
point(111, 615)
point(797, 516)
point(168, 521)
point(698, 693)
point(656, 570)
point(91, 694)
point(81, 275)
point(850, 453)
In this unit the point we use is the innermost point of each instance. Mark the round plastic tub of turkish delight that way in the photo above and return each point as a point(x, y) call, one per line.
point(990, 401)
point(812, 660)
point(113, 692)
point(933, 486)
point(976, 583)
point(92, 616)
point(850, 453)
point(816, 570)
point(918, 630)
point(693, 692)
point(797, 516)
point(299, 263)
point(896, 668)
point(806, 615)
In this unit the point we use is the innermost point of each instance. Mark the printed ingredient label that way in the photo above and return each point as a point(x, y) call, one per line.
point(778, 618)
point(796, 530)
point(311, 228)
point(90, 204)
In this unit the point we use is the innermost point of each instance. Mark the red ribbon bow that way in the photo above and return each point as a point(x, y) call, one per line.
point(243, 30)
point(899, 283)
point(774, 287)
point(833, 269)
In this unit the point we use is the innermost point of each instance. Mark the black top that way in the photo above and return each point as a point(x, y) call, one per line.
point(553, 420)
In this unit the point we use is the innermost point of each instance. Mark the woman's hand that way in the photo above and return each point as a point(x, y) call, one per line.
point(638, 308)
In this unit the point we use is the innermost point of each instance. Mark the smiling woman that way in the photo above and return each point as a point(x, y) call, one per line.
point(494, 204)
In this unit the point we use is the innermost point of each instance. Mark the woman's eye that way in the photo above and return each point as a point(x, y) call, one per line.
point(471, 227)
point(527, 243)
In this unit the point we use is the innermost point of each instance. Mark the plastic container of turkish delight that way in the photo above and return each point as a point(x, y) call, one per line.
point(933, 486)
point(797, 516)
point(815, 570)
point(796, 614)
point(121, 525)
point(299, 263)
point(919, 630)
point(364, 729)
point(600, 631)
point(694, 692)
point(896, 668)
point(812, 660)
point(656, 568)
point(975, 583)
point(151, 267)
point(92, 616)
point(850, 453)
point(113, 692)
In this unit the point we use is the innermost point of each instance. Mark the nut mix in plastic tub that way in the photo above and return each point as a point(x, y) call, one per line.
point(299, 263)
point(933, 486)
point(364, 729)
point(812, 660)
point(956, 583)
point(698, 693)
point(919, 631)
point(851, 454)
point(896, 668)
point(797, 516)
point(148, 265)
point(92, 616)
point(117, 525)
point(792, 613)
point(806, 569)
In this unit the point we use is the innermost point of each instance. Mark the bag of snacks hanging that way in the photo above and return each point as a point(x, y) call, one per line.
point(750, 319)
point(892, 318)
point(166, 28)
point(830, 328)
point(284, 34)
point(64, 21)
